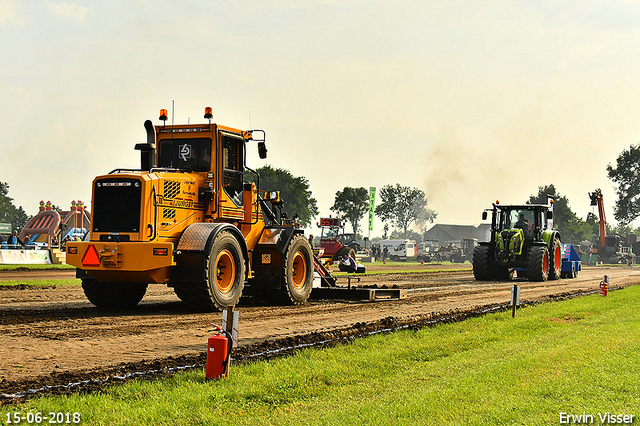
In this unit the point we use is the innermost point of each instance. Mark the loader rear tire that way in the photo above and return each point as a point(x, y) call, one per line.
point(538, 263)
point(555, 260)
point(481, 263)
point(115, 295)
point(298, 273)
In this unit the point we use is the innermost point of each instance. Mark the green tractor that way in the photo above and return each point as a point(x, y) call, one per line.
point(522, 242)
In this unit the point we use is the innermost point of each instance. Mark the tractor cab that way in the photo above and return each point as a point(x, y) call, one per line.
point(529, 220)
point(518, 226)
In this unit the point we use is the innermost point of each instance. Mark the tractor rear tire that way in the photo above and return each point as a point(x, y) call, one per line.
point(538, 263)
point(114, 295)
point(555, 260)
point(482, 263)
point(298, 272)
point(348, 250)
point(225, 271)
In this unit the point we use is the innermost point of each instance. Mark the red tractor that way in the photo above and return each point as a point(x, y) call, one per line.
point(334, 242)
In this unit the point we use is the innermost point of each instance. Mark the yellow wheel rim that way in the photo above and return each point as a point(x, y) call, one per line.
point(225, 271)
point(298, 270)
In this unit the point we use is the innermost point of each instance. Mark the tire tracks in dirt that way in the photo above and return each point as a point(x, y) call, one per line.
point(52, 336)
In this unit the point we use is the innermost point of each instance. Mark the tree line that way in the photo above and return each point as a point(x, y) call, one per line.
point(9, 213)
point(404, 207)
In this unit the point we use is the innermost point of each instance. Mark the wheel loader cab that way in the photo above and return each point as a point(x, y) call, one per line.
point(195, 155)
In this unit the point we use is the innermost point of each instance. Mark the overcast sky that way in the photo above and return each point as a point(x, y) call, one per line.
point(468, 101)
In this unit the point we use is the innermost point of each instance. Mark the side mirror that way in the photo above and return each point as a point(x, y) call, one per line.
point(549, 215)
point(484, 215)
point(262, 150)
point(205, 194)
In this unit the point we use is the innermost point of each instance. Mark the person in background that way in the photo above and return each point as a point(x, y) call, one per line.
point(348, 263)
point(14, 240)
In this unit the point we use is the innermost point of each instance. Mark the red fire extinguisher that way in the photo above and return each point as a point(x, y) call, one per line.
point(604, 285)
point(218, 354)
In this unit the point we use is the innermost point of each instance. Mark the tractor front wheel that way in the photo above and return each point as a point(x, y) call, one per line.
point(538, 263)
point(555, 263)
point(115, 295)
point(481, 263)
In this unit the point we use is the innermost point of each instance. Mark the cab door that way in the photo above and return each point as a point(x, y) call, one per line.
point(232, 172)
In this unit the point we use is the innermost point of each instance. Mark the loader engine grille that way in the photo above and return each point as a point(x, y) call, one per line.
point(170, 188)
point(116, 205)
point(169, 213)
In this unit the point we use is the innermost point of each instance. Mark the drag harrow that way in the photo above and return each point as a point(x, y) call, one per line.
point(329, 288)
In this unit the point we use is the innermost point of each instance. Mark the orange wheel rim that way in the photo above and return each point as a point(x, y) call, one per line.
point(557, 258)
point(545, 264)
point(225, 271)
point(299, 270)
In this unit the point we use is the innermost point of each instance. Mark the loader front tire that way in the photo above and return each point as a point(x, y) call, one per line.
point(114, 295)
point(195, 295)
point(298, 273)
point(225, 271)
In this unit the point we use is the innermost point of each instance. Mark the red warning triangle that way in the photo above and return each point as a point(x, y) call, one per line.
point(91, 257)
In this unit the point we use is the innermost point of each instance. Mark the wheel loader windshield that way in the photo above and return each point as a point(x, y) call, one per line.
point(186, 154)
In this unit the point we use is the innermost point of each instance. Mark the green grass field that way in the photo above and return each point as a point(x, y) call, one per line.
point(41, 283)
point(30, 267)
point(577, 357)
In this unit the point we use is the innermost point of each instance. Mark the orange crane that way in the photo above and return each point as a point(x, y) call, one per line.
point(596, 200)
point(610, 249)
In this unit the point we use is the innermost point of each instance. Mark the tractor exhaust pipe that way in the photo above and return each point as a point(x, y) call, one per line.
point(148, 150)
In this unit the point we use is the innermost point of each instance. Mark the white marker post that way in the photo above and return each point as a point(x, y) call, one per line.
point(515, 299)
point(230, 320)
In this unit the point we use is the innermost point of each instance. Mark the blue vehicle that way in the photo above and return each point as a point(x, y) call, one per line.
point(571, 263)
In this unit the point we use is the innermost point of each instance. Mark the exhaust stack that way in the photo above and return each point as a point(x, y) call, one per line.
point(148, 149)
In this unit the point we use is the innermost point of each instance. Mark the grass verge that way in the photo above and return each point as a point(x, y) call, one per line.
point(40, 283)
point(32, 267)
point(576, 356)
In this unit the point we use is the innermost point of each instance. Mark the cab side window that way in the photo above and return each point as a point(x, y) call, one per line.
point(232, 167)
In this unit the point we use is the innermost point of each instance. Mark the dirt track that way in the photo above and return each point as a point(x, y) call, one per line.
point(54, 335)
